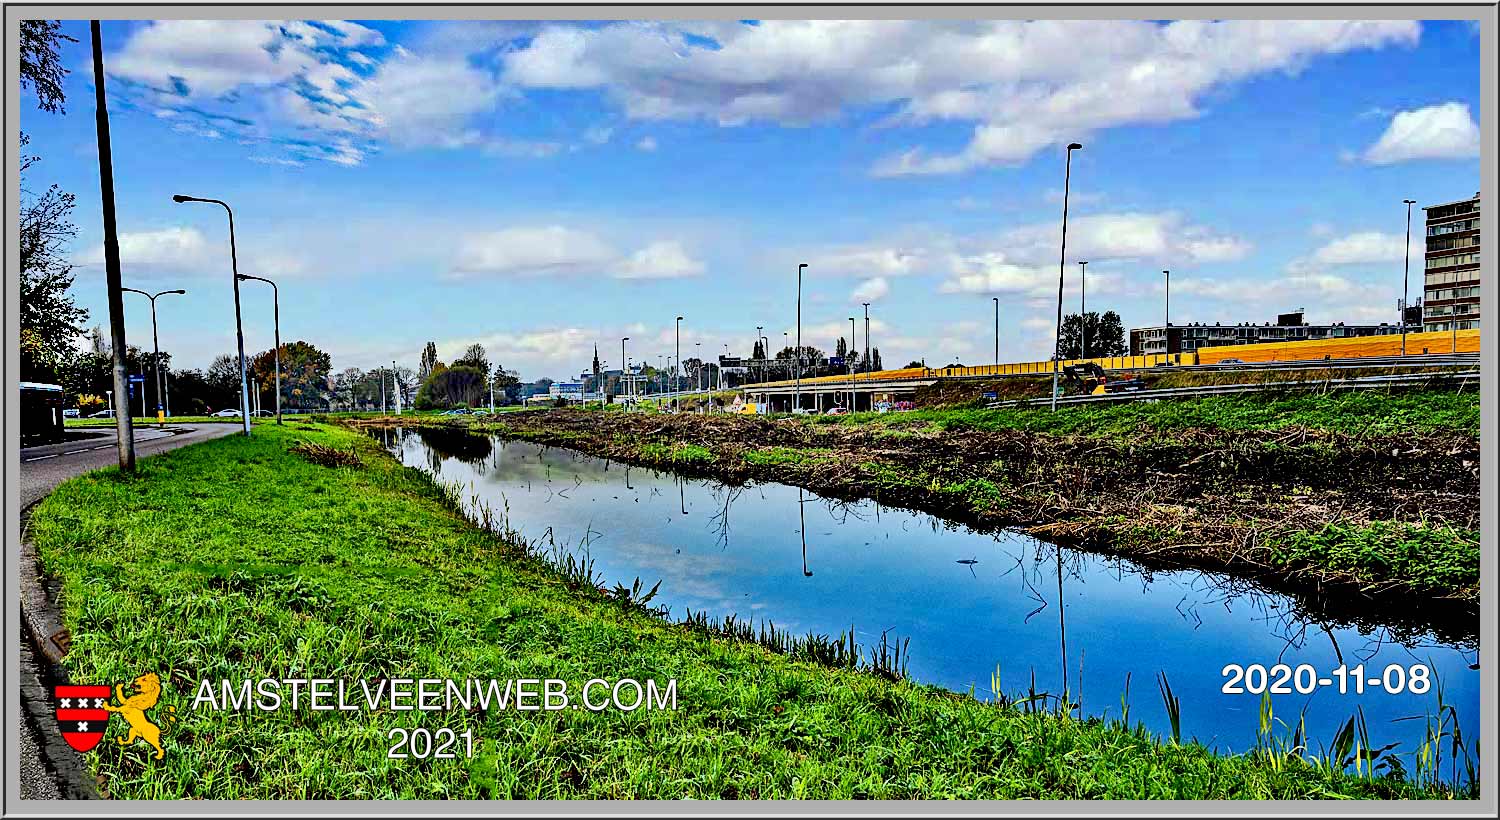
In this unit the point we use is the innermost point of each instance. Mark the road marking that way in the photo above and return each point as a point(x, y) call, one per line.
point(39, 458)
point(71, 452)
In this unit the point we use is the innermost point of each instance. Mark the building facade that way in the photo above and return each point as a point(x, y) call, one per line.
point(1289, 327)
point(1450, 282)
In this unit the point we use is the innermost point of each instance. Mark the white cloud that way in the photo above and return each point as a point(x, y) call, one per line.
point(556, 249)
point(530, 250)
point(1163, 237)
point(871, 290)
point(184, 251)
point(419, 100)
point(647, 144)
point(1364, 247)
point(869, 260)
point(659, 260)
point(1446, 131)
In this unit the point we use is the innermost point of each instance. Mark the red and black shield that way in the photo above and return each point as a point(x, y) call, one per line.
point(81, 715)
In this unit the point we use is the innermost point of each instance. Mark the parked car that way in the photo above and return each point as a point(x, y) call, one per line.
point(226, 413)
point(836, 411)
point(804, 411)
point(455, 412)
point(261, 413)
point(70, 413)
point(103, 414)
point(1231, 361)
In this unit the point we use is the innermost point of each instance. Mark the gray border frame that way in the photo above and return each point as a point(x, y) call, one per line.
point(1485, 13)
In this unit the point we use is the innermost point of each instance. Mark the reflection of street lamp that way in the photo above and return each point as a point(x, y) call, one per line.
point(239, 329)
point(276, 316)
point(155, 347)
point(1061, 260)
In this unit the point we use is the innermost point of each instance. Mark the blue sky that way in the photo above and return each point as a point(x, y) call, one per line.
point(540, 187)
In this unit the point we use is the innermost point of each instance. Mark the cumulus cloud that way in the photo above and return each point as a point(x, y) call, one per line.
point(871, 290)
point(870, 260)
point(556, 249)
point(659, 260)
point(1446, 131)
point(646, 144)
point(1026, 85)
point(184, 251)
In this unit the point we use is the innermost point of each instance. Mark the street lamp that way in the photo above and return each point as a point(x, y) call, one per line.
point(853, 402)
point(1083, 310)
point(1406, 279)
point(239, 328)
point(1166, 331)
point(797, 390)
point(996, 300)
point(763, 351)
point(155, 348)
point(624, 373)
point(276, 318)
point(1061, 260)
point(868, 365)
point(676, 384)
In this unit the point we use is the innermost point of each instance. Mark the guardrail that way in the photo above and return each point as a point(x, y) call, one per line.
point(1463, 379)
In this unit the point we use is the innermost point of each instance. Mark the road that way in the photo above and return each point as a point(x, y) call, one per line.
point(42, 468)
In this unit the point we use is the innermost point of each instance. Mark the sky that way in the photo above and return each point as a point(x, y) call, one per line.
point(540, 188)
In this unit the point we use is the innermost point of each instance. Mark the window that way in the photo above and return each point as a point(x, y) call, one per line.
point(1453, 259)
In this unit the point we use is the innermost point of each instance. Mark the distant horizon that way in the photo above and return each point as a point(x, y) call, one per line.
point(540, 188)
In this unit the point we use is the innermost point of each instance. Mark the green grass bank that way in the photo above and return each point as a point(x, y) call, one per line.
point(240, 559)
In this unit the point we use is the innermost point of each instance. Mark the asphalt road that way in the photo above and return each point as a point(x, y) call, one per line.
point(42, 468)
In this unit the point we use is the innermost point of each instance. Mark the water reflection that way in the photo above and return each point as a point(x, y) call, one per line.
point(974, 604)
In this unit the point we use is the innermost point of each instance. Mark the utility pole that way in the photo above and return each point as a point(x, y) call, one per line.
point(1406, 284)
point(868, 365)
point(1062, 259)
point(124, 435)
point(1083, 310)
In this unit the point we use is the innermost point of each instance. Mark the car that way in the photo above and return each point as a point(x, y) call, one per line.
point(804, 411)
point(226, 413)
point(479, 412)
point(1231, 361)
point(71, 413)
point(103, 414)
point(455, 412)
point(1162, 364)
point(262, 413)
point(836, 411)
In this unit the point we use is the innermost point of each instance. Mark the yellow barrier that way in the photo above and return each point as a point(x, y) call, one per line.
point(1417, 344)
point(1467, 341)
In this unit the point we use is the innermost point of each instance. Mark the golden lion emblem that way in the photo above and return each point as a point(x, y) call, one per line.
point(133, 709)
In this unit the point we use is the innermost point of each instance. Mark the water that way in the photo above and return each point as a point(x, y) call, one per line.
point(969, 601)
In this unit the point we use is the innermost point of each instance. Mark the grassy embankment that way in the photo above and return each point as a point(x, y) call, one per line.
point(239, 559)
point(1353, 494)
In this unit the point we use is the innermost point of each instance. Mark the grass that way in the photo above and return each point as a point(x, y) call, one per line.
point(1361, 412)
point(779, 456)
point(1434, 559)
point(239, 559)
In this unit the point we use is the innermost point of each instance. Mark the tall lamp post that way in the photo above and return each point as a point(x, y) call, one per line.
point(239, 327)
point(676, 384)
point(853, 400)
point(1166, 331)
point(1406, 280)
point(155, 347)
point(1083, 310)
point(1061, 261)
point(624, 374)
point(276, 324)
point(760, 338)
point(997, 332)
point(868, 365)
point(797, 389)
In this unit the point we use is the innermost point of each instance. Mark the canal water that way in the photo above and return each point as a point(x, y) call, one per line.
point(970, 602)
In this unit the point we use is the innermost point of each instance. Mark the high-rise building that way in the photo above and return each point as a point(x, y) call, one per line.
point(1450, 284)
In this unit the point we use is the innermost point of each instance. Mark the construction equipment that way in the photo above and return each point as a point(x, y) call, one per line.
point(1087, 378)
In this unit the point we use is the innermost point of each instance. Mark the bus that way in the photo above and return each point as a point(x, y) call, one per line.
point(41, 413)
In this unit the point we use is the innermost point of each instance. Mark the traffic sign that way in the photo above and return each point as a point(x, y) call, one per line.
point(137, 379)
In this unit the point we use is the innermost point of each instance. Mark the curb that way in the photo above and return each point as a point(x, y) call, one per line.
point(42, 628)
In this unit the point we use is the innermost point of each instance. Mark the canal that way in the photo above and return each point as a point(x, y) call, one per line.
point(978, 607)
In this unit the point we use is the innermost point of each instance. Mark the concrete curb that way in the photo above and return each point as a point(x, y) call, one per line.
point(42, 628)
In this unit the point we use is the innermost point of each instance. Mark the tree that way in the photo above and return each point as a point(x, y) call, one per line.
point(875, 359)
point(506, 383)
point(50, 321)
point(461, 385)
point(913, 364)
point(429, 358)
point(475, 357)
point(41, 69)
point(1105, 335)
point(304, 374)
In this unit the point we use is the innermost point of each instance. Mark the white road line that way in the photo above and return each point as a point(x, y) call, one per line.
point(39, 458)
point(71, 452)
